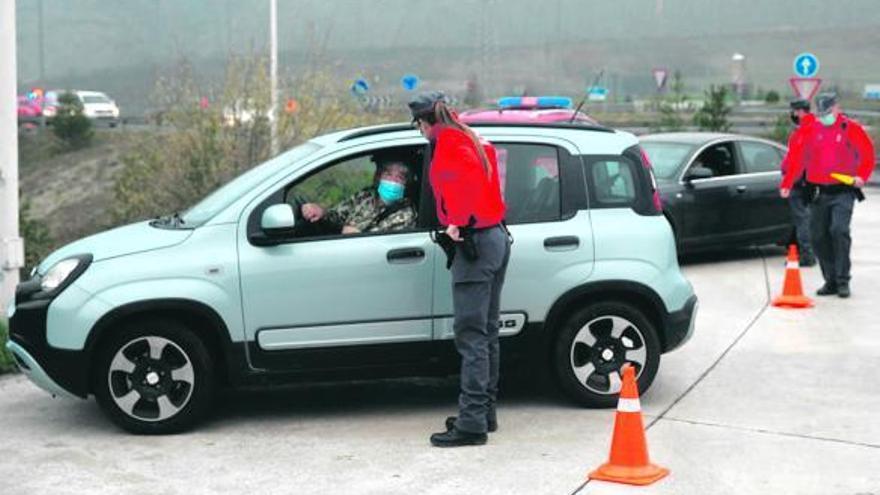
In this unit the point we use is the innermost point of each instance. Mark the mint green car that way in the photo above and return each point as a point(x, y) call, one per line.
point(152, 318)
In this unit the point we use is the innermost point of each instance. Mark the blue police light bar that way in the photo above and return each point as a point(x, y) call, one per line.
point(535, 102)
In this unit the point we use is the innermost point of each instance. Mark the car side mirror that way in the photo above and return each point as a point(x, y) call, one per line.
point(278, 220)
point(697, 173)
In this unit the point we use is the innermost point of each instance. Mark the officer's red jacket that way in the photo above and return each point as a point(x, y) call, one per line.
point(461, 186)
point(796, 140)
point(843, 148)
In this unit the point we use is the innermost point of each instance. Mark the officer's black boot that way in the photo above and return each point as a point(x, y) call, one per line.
point(458, 438)
point(843, 291)
point(827, 290)
point(492, 423)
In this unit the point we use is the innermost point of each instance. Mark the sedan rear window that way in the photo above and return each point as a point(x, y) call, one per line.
point(95, 99)
point(667, 158)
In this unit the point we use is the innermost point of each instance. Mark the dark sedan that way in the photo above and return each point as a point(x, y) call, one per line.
point(719, 190)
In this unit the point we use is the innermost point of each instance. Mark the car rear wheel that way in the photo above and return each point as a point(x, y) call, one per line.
point(595, 343)
point(154, 377)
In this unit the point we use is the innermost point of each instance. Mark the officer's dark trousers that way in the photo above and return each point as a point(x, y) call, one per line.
point(799, 202)
point(476, 295)
point(831, 216)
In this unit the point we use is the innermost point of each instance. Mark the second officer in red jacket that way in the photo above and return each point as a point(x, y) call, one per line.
point(834, 144)
point(466, 186)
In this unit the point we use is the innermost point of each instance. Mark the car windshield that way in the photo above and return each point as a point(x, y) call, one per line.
point(95, 99)
point(205, 209)
point(666, 158)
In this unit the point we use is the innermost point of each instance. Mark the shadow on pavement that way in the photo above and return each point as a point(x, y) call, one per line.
point(328, 400)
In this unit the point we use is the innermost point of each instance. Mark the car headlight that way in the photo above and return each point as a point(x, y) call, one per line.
point(58, 274)
point(62, 273)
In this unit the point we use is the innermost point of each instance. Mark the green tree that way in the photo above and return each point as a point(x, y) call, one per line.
point(781, 129)
point(713, 115)
point(772, 97)
point(203, 147)
point(70, 125)
point(672, 107)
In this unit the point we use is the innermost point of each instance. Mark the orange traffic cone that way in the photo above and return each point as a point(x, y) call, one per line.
point(628, 462)
point(792, 290)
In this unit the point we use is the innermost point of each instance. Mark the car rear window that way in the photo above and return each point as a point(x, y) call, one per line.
point(667, 158)
point(620, 181)
point(530, 182)
point(614, 182)
point(759, 157)
point(95, 99)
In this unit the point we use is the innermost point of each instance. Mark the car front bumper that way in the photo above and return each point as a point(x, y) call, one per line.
point(35, 373)
point(60, 372)
point(680, 324)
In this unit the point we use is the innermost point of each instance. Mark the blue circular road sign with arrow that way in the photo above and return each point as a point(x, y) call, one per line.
point(409, 82)
point(360, 86)
point(806, 65)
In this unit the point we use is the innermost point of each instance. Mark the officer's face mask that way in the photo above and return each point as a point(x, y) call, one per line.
point(390, 191)
point(828, 120)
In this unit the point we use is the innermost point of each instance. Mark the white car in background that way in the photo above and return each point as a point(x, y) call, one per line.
point(96, 105)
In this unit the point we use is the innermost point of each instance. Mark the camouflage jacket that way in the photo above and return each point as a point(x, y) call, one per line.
point(362, 209)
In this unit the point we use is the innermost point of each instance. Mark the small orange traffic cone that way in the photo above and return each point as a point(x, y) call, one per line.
point(792, 290)
point(628, 462)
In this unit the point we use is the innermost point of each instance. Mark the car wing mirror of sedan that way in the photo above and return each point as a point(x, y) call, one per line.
point(698, 172)
point(278, 220)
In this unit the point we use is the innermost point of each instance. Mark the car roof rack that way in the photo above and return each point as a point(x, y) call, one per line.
point(384, 129)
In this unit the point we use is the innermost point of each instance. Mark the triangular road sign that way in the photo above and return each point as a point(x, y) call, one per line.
point(660, 76)
point(805, 87)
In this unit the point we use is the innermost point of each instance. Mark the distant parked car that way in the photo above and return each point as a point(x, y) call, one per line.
point(719, 190)
point(528, 110)
point(29, 111)
point(96, 105)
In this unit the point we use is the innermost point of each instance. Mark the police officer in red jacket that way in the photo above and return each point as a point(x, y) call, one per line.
point(799, 194)
point(466, 186)
point(835, 144)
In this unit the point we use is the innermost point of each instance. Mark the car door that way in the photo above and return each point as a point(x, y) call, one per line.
point(553, 241)
point(769, 216)
point(321, 300)
point(713, 209)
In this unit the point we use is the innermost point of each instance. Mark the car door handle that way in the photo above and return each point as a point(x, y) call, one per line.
point(403, 255)
point(741, 189)
point(566, 241)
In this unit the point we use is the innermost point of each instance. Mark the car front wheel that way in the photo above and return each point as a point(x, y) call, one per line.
point(154, 377)
point(594, 344)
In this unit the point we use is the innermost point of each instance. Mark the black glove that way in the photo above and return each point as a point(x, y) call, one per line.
point(446, 244)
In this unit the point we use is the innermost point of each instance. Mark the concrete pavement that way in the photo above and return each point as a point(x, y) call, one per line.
point(760, 401)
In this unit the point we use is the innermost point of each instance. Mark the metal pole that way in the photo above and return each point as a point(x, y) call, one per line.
point(42, 42)
point(273, 74)
point(11, 246)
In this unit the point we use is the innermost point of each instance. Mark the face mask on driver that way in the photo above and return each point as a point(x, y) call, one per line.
point(828, 120)
point(390, 191)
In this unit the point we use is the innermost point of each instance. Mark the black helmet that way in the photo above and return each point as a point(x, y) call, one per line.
point(800, 104)
point(422, 106)
point(825, 102)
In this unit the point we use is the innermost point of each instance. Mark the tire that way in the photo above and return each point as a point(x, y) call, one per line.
point(587, 356)
point(154, 377)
